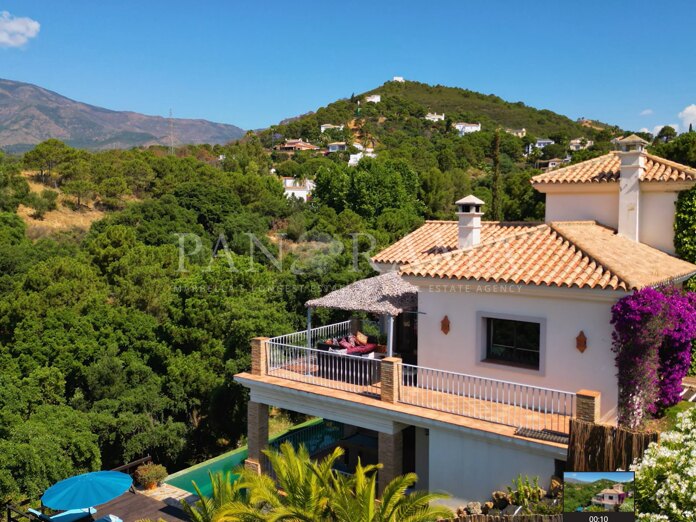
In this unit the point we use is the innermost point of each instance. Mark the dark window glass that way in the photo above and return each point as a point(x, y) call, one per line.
point(515, 342)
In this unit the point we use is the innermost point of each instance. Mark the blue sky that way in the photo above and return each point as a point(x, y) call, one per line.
point(254, 63)
point(618, 476)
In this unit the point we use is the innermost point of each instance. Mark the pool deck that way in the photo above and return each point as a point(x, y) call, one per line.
point(131, 507)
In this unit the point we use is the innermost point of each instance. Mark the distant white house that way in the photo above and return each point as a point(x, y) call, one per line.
point(520, 133)
point(467, 128)
point(433, 116)
point(539, 144)
point(355, 158)
point(301, 189)
point(337, 146)
point(580, 144)
point(399, 79)
point(330, 126)
point(373, 98)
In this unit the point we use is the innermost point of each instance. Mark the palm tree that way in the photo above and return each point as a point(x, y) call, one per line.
point(312, 491)
point(227, 494)
point(300, 490)
point(357, 501)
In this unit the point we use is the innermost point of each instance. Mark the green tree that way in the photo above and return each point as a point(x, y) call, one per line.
point(46, 156)
point(82, 189)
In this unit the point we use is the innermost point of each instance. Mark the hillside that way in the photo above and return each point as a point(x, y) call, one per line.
point(413, 100)
point(30, 114)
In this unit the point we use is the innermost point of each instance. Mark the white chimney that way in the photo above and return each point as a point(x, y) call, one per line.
point(632, 168)
point(469, 212)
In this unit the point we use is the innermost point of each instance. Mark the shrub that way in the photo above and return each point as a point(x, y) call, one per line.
point(665, 481)
point(150, 474)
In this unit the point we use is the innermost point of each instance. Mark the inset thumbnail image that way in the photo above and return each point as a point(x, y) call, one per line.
point(599, 492)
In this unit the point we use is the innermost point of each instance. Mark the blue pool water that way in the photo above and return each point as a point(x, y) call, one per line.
point(316, 435)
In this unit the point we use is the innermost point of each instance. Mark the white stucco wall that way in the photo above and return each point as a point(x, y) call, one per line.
point(470, 469)
point(601, 207)
point(563, 367)
point(656, 223)
point(656, 211)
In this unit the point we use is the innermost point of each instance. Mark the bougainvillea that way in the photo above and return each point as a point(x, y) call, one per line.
point(653, 330)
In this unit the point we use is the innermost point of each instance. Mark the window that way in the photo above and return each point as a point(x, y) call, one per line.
point(513, 342)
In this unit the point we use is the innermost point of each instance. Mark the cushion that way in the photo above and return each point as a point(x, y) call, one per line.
point(362, 350)
point(361, 338)
point(345, 344)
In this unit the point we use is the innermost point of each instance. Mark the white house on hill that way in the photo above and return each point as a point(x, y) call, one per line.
point(433, 116)
point(301, 189)
point(497, 334)
point(328, 126)
point(466, 128)
point(373, 98)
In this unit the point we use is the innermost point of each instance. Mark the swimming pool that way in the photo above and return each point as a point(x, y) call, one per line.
point(316, 435)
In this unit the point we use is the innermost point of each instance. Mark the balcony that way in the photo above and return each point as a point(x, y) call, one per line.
point(531, 411)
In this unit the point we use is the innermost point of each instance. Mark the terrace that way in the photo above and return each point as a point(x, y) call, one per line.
point(300, 360)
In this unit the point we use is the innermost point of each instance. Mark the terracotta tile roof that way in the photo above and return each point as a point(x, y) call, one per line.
point(438, 237)
point(607, 168)
point(580, 254)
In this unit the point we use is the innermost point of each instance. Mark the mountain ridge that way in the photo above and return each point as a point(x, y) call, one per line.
point(30, 114)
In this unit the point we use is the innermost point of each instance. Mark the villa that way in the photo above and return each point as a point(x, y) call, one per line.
point(301, 189)
point(373, 98)
point(492, 335)
point(611, 497)
point(579, 144)
point(467, 128)
point(329, 126)
point(295, 145)
point(434, 116)
point(540, 143)
point(337, 146)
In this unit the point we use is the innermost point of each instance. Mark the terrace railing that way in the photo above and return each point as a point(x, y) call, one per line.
point(351, 373)
point(315, 336)
point(530, 409)
point(502, 402)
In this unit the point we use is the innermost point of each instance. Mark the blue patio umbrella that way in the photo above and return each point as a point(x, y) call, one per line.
point(87, 490)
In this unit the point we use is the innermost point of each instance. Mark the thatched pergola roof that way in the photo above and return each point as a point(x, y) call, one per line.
point(386, 294)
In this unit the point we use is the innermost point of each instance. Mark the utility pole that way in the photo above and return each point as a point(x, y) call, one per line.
point(171, 133)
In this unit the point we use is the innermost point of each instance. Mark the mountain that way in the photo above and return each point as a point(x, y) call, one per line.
point(30, 114)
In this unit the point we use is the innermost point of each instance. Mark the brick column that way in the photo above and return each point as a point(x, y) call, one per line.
point(257, 434)
point(390, 454)
point(355, 325)
point(588, 405)
point(390, 377)
point(259, 364)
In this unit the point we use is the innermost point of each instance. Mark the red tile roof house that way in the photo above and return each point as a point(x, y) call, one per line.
point(611, 497)
point(497, 333)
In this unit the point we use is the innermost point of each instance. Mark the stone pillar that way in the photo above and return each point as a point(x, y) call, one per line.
point(355, 325)
point(390, 454)
point(257, 435)
point(390, 377)
point(259, 354)
point(588, 405)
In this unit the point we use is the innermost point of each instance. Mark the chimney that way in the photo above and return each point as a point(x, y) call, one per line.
point(469, 212)
point(632, 157)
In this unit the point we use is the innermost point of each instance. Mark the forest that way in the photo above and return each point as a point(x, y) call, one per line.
point(113, 345)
